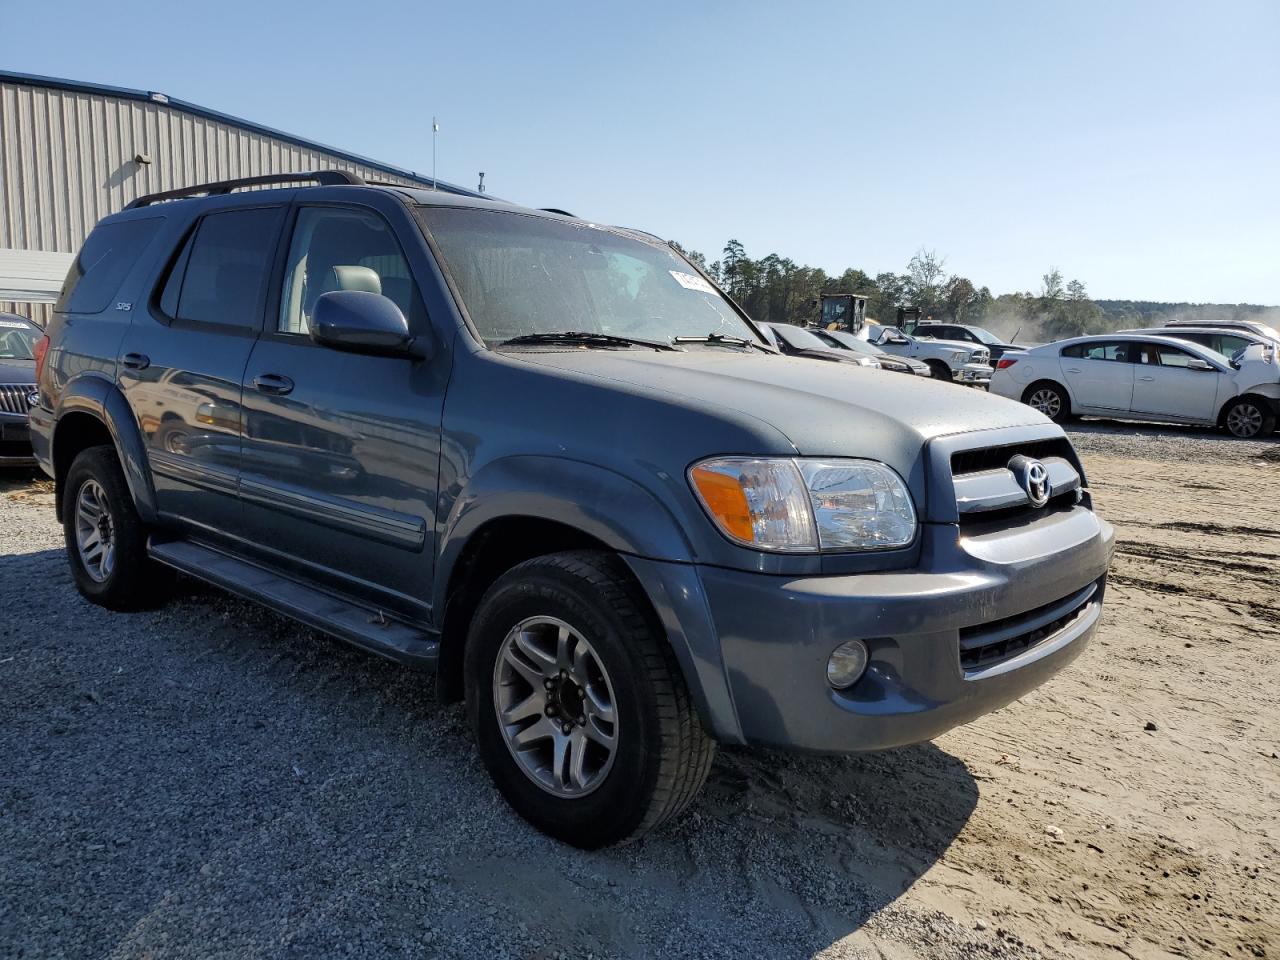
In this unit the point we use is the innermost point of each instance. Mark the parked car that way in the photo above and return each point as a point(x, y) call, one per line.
point(1225, 341)
point(619, 525)
point(18, 337)
point(1255, 327)
point(796, 341)
point(844, 340)
point(963, 333)
point(948, 359)
point(1144, 377)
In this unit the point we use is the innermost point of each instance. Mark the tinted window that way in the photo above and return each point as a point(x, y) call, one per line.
point(799, 338)
point(1119, 352)
point(336, 249)
point(220, 275)
point(102, 263)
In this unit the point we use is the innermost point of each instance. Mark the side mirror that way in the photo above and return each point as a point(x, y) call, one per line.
point(1195, 363)
point(359, 321)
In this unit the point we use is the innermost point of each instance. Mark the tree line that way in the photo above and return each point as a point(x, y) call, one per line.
point(777, 289)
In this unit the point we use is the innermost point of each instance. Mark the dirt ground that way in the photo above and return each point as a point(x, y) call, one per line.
point(209, 780)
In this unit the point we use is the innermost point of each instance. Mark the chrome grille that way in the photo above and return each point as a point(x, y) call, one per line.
point(13, 397)
point(986, 489)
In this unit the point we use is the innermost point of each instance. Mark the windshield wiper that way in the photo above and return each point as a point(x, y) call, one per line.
point(587, 339)
point(722, 339)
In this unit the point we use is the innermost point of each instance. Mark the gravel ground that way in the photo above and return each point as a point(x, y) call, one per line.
point(208, 780)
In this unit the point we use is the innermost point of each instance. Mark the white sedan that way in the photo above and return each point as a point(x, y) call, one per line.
point(1136, 377)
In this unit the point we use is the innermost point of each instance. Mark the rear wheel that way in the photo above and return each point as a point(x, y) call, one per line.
point(106, 539)
point(1050, 399)
point(1249, 417)
point(578, 707)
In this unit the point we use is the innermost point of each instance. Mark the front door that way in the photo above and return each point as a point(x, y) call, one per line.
point(341, 449)
point(184, 358)
point(1099, 374)
point(1166, 386)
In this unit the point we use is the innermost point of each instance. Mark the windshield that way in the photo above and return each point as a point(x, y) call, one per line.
point(799, 338)
point(986, 336)
point(853, 343)
point(17, 340)
point(520, 275)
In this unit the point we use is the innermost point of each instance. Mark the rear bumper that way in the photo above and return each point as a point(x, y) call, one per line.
point(775, 634)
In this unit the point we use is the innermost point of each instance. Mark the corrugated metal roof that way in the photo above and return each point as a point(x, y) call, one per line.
point(151, 96)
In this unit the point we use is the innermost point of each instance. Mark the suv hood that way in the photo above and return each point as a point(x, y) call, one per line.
point(17, 371)
point(824, 409)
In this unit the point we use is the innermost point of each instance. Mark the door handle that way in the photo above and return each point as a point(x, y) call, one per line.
point(136, 361)
point(1073, 369)
point(272, 383)
point(1147, 379)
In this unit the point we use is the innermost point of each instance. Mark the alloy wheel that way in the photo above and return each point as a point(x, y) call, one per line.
point(555, 706)
point(1244, 420)
point(1047, 402)
point(95, 531)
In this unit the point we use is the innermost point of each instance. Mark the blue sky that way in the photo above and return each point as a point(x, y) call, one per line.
point(1133, 145)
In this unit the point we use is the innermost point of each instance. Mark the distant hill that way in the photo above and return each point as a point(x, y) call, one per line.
point(1148, 313)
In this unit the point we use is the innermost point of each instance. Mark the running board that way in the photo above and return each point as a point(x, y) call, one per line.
point(362, 626)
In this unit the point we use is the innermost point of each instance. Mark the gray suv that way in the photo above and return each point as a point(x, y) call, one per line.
point(552, 461)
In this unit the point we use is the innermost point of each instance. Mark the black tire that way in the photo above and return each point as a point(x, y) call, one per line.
point(662, 753)
point(134, 581)
point(1057, 409)
point(1249, 418)
point(939, 370)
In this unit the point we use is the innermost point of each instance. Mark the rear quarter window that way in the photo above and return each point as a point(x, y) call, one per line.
point(103, 262)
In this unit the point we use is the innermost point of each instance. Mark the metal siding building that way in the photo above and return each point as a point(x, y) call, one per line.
point(71, 153)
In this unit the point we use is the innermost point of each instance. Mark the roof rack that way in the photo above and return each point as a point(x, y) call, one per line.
point(220, 187)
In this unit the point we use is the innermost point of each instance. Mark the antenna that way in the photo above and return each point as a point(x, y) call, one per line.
point(480, 189)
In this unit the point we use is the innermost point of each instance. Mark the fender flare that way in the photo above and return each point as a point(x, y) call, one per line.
point(626, 518)
point(102, 399)
point(600, 502)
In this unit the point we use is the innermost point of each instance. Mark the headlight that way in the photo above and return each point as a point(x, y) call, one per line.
point(959, 356)
point(869, 362)
point(803, 505)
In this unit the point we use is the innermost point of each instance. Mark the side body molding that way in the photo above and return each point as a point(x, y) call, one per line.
point(99, 397)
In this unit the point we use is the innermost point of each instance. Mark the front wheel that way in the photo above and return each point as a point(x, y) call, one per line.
point(939, 370)
point(1249, 417)
point(578, 706)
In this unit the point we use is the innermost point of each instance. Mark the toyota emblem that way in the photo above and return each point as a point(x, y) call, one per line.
point(1033, 478)
point(33, 398)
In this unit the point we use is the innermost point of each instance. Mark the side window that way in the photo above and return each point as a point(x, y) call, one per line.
point(343, 249)
point(1228, 345)
point(1171, 356)
point(221, 272)
point(1118, 352)
point(102, 263)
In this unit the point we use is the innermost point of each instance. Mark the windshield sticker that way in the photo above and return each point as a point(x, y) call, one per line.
point(12, 325)
point(692, 282)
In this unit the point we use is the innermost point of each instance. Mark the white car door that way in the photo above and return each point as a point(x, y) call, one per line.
point(1171, 382)
point(1099, 374)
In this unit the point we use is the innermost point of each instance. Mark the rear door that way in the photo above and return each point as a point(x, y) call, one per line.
point(1166, 386)
point(1099, 374)
point(341, 450)
point(183, 359)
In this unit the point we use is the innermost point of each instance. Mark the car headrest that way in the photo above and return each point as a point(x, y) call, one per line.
point(351, 277)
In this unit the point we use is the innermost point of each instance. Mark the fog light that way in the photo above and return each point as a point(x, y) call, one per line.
point(847, 663)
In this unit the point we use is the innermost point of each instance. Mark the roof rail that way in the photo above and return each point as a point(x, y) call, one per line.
point(322, 177)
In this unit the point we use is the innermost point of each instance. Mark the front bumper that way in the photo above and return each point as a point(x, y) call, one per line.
point(15, 441)
point(773, 636)
point(975, 374)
